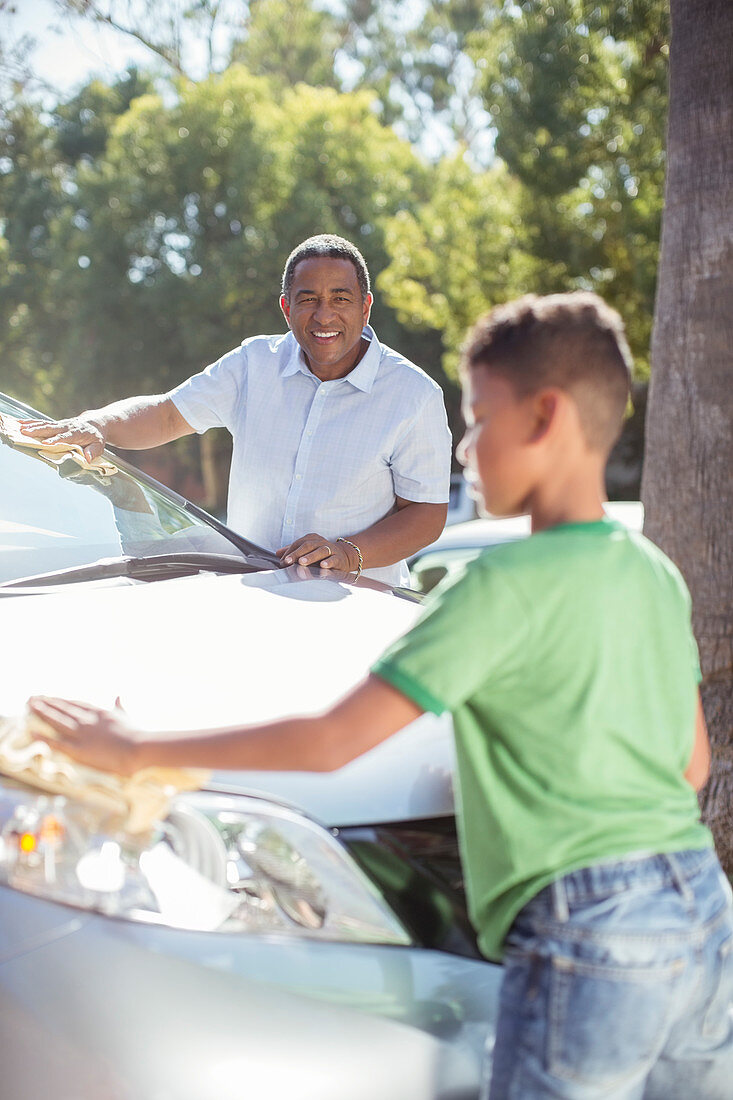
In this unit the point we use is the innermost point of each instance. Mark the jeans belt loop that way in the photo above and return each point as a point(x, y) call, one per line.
point(679, 879)
point(560, 901)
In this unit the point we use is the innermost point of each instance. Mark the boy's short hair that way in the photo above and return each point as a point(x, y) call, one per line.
point(573, 341)
point(332, 247)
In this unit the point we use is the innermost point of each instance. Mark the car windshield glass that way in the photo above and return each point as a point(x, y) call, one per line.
point(58, 515)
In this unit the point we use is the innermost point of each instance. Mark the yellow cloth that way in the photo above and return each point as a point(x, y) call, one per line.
point(131, 803)
point(54, 452)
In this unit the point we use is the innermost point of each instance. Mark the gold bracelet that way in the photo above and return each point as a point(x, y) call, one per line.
point(358, 551)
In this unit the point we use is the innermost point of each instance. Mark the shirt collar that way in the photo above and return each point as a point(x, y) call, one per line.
point(361, 377)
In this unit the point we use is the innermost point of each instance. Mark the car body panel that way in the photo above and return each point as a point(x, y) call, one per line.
point(462, 542)
point(314, 639)
point(488, 530)
point(189, 1016)
point(99, 1008)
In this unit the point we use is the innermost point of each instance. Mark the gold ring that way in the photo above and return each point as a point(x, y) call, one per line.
point(329, 550)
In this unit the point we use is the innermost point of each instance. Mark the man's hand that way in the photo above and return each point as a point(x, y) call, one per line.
point(99, 738)
point(135, 423)
point(315, 549)
point(403, 532)
point(74, 430)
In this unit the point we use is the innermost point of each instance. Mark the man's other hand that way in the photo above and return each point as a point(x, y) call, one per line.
point(315, 549)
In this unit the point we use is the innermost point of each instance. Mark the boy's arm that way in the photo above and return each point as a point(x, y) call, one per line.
point(370, 713)
point(698, 769)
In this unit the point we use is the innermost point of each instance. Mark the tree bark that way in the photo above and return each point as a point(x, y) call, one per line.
point(687, 485)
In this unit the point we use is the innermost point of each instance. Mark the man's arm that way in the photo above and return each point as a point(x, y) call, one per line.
point(135, 423)
point(368, 715)
point(698, 769)
point(403, 532)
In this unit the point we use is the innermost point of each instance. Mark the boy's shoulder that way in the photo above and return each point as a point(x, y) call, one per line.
point(553, 545)
point(566, 553)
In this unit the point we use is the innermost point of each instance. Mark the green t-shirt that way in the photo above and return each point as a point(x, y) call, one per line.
point(569, 665)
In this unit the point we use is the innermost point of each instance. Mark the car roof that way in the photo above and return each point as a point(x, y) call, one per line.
point(484, 532)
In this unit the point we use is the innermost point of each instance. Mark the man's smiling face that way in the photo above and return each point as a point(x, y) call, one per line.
point(326, 314)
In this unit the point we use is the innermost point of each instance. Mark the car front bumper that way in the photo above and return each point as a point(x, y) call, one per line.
point(93, 1008)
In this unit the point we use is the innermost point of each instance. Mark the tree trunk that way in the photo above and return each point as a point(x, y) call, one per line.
point(215, 450)
point(687, 486)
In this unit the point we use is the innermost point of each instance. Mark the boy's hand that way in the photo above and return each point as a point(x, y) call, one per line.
point(93, 736)
point(698, 770)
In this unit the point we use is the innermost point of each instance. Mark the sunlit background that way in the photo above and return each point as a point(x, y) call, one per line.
point(158, 161)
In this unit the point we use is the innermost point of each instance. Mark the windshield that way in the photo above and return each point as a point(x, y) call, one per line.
point(55, 516)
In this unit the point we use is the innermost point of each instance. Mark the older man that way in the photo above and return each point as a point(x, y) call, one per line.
point(341, 450)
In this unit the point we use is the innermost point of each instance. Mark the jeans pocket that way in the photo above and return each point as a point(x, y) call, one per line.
point(716, 1019)
point(606, 1022)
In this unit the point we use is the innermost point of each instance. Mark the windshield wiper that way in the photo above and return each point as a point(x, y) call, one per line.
point(151, 567)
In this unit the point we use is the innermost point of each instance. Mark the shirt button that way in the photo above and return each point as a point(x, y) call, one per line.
point(298, 477)
point(289, 521)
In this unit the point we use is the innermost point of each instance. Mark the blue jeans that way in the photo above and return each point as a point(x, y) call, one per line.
point(618, 983)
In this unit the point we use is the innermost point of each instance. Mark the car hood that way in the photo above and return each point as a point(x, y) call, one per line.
point(211, 650)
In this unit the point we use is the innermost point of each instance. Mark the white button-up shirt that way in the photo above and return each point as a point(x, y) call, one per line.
point(328, 457)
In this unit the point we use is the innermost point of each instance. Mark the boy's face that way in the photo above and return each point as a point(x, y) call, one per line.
point(497, 447)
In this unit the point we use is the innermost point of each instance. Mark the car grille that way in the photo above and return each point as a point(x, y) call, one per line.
point(430, 845)
point(416, 866)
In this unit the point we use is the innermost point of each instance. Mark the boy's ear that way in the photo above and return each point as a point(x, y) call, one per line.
point(545, 408)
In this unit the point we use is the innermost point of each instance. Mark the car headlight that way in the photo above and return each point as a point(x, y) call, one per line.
point(217, 863)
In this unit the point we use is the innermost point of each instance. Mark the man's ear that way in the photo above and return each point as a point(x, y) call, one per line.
point(368, 303)
point(285, 307)
point(546, 407)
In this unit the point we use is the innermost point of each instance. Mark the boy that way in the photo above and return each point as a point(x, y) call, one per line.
point(570, 668)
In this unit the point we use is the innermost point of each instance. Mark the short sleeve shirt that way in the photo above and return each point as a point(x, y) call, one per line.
point(322, 456)
point(570, 667)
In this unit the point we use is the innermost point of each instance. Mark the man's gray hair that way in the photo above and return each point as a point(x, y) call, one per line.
point(332, 247)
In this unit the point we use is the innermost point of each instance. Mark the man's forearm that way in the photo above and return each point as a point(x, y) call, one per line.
point(137, 423)
point(397, 536)
point(400, 534)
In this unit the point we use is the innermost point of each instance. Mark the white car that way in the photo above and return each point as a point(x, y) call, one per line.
point(463, 542)
point(274, 934)
point(461, 505)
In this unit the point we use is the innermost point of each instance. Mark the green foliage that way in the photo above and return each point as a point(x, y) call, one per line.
point(289, 41)
point(144, 232)
point(31, 195)
point(414, 57)
point(456, 254)
point(81, 126)
point(578, 95)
